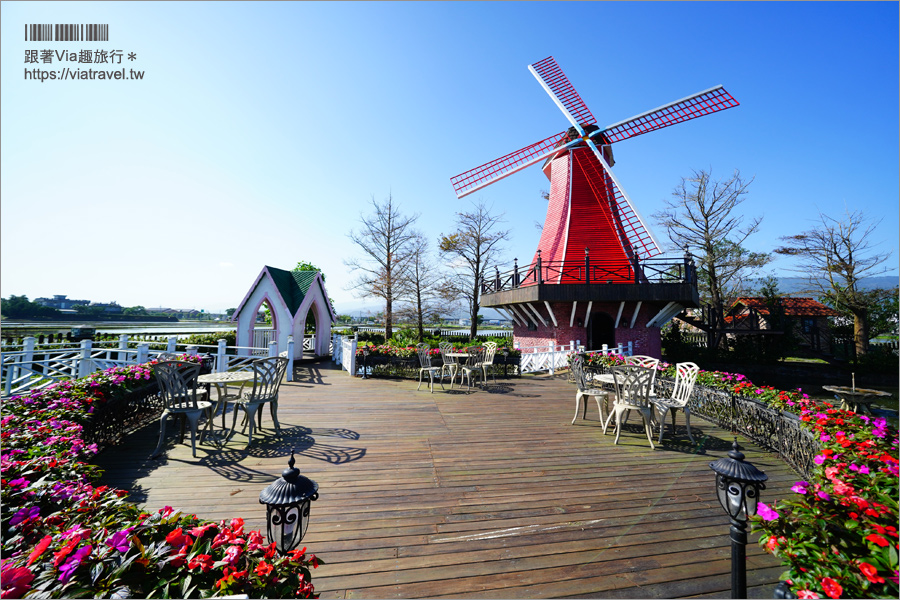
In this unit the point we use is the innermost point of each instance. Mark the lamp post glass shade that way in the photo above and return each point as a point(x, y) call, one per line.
point(738, 484)
point(287, 503)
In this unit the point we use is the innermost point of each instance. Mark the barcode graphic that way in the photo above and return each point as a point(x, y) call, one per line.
point(67, 33)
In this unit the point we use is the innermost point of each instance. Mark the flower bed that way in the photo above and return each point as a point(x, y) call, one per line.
point(63, 536)
point(393, 361)
point(838, 534)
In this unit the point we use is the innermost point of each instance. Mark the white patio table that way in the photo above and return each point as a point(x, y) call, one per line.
point(221, 381)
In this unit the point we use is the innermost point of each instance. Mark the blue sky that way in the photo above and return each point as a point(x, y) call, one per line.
point(261, 131)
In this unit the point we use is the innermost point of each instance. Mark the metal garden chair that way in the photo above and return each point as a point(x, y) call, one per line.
point(472, 366)
point(490, 349)
point(645, 361)
point(423, 351)
point(268, 374)
point(632, 393)
point(586, 389)
point(178, 389)
point(450, 363)
point(685, 377)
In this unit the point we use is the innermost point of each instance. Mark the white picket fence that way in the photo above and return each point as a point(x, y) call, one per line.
point(34, 368)
point(537, 359)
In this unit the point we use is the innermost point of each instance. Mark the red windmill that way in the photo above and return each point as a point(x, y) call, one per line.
point(593, 234)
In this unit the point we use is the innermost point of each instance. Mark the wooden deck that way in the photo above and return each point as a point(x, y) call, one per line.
point(492, 494)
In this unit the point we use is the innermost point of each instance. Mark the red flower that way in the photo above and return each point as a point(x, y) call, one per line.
point(15, 581)
point(38, 550)
point(297, 555)
point(263, 568)
point(870, 572)
point(238, 526)
point(270, 550)
point(772, 544)
point(204, 561)
point(231, 575)
point(176, 538)
point(198, 532)
point(60, 555)
point(831, 587)
point(877, 539)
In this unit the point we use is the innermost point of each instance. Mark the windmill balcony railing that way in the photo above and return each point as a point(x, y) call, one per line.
point(637, 271)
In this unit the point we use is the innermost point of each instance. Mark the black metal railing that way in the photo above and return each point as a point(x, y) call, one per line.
point(773, 429)
point(650, 270)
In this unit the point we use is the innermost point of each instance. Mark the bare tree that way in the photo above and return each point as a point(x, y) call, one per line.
point(386, 239)
point(835, 255)
point(702, 217)
point(422, 288)
point(474, 244)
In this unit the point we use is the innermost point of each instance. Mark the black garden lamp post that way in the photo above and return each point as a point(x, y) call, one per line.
point(365, 351)
point(505, 353)
point(738, 484)
point(287, 503)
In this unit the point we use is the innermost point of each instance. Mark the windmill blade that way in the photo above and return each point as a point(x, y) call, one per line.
point(698, 105)
point(555, 83)
point(479, 177)
point(629, 223)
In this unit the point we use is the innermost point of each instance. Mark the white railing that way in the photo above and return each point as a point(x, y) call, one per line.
point(36, 368)
point(552, 357)
point(448, 332)
point(262, 338)
point(344, 352)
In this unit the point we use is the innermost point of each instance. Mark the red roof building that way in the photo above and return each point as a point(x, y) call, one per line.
point(810, 319)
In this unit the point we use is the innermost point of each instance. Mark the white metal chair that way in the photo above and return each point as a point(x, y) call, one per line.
point(422, 350)
point(645, 361)
point(472, 366)
point(685, 376)
point(268, 374)
point(632, 393)
point(586, 389)
point(178, 389)
point(450, 363)
point(490, 349)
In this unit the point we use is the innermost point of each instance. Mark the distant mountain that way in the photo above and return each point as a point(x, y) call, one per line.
point(796, 285)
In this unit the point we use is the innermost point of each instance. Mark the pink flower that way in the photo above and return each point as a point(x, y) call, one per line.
point(765, 512)
point(232, 554)
point(121, 540)
point(800, 487)
point(807, 594)
point(66, 571)
point(819, 459)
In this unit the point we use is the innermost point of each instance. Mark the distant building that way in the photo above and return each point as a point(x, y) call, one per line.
point(810, 318)
point(108, 307)
point(61, 302)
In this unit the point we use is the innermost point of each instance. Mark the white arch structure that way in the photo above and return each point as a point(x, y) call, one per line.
point(291, 296)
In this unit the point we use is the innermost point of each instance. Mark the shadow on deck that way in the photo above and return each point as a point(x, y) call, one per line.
point(488, 494)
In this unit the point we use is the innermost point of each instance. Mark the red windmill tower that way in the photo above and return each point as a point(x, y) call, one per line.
point(595, 251)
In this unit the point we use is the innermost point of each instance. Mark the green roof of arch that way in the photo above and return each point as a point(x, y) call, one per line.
point(293, 286)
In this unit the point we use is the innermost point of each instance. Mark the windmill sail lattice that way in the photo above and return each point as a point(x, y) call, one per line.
point(698, 105)
point(557, 85)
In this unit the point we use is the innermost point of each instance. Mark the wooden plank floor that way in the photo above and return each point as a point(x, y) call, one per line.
point(492, 494)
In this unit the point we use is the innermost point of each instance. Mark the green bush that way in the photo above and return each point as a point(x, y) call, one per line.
point(212, 339)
